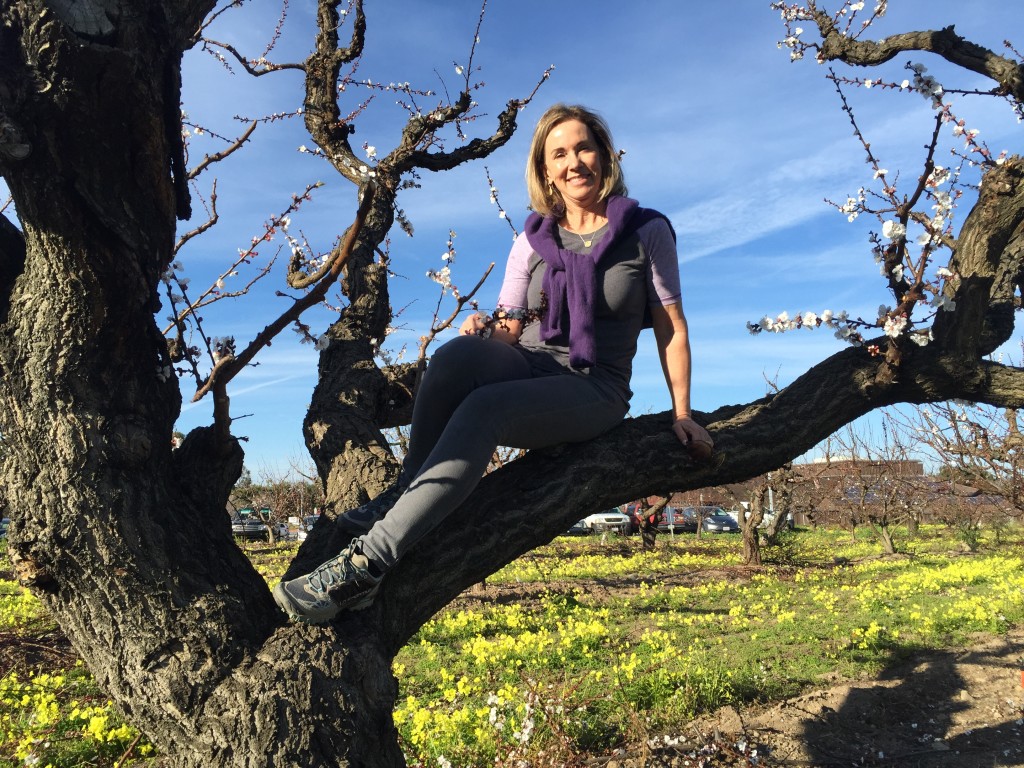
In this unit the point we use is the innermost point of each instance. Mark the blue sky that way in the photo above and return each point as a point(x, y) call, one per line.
point(736, 144)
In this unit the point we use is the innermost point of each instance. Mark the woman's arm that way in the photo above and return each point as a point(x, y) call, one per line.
point(502, 325)
point(672, 335)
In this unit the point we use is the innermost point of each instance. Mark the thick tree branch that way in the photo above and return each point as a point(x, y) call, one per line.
point(323, 67)
point(989, 258)
point(408, 156)
point(530, 501)
point(835, 46)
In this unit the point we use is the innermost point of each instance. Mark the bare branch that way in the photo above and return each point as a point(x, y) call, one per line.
point(209, 160)
point(437, 328)
point(229, 365)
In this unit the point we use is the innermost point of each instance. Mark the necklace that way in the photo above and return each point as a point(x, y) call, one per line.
point(589, 241)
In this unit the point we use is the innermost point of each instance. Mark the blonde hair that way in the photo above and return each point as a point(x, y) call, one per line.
point(544, 198)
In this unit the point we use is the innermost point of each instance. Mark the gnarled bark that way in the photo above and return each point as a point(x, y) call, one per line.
point(167, 613)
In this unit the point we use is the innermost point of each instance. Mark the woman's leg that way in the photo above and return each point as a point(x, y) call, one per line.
point(530, 413)
point(456, 443)
point(459, 367)
point(455, 370)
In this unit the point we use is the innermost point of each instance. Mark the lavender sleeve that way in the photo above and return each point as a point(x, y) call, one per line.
point(514, 289)
point(663, 275)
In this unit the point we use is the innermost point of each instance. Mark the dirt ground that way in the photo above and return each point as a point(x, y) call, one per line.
point(955, 709)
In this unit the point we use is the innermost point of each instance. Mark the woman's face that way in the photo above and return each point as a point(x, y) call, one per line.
point(572, 162)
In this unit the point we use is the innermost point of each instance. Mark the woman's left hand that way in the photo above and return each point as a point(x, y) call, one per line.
point(693, 436)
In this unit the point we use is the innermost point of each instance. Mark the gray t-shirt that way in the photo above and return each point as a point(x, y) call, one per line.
point(640, 270)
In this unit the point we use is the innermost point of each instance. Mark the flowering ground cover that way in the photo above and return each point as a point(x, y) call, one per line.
point(585, 647)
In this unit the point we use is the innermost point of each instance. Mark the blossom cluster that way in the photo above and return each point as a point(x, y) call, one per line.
point(845, 327)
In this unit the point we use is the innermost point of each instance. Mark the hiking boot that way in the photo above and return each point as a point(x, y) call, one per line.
point(361, 519)
point(343, 583)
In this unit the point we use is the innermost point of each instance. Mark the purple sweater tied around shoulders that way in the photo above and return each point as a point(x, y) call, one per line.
point(571, 278)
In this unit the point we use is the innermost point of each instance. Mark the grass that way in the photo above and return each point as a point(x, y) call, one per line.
point(582, 645)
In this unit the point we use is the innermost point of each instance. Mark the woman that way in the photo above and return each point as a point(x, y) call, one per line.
point(551, 366)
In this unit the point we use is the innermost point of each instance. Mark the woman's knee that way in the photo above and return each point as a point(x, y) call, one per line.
point(476, 359)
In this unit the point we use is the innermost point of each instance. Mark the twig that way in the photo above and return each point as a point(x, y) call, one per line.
point(229, 366)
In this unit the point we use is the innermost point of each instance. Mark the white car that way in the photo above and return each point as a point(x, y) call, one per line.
point(610, 520)
point(306, 526)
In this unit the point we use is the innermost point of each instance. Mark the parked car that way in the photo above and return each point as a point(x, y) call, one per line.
point(678, 521)
point(610, 520)
point(770, 516)
point(720, 522)
point(281, 531)
point(579, 528)
point(246, 525)
point(307, 525)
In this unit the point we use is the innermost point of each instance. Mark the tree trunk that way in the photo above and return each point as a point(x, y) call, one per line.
point(650, 517)
point(749, 527)
point(881, 527)
point(168, 614)
point(648, 536)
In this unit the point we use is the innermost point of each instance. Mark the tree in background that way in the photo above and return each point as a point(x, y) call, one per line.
point(183, 632)
point(881, 486)
point(279, 494)
point(649, 516)
point(980, 449)
point(769, 509)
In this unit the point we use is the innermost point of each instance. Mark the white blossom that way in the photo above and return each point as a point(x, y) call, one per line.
point(442, 277)
point(894, 326)
point(323, 343)
point(921, 339)
point(938, 176)
point(893, 229)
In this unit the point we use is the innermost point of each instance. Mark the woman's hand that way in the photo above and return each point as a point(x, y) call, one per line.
point(694, 437)
point(473, 325)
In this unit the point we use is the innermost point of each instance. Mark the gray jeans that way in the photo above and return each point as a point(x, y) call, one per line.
point(477, 394)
